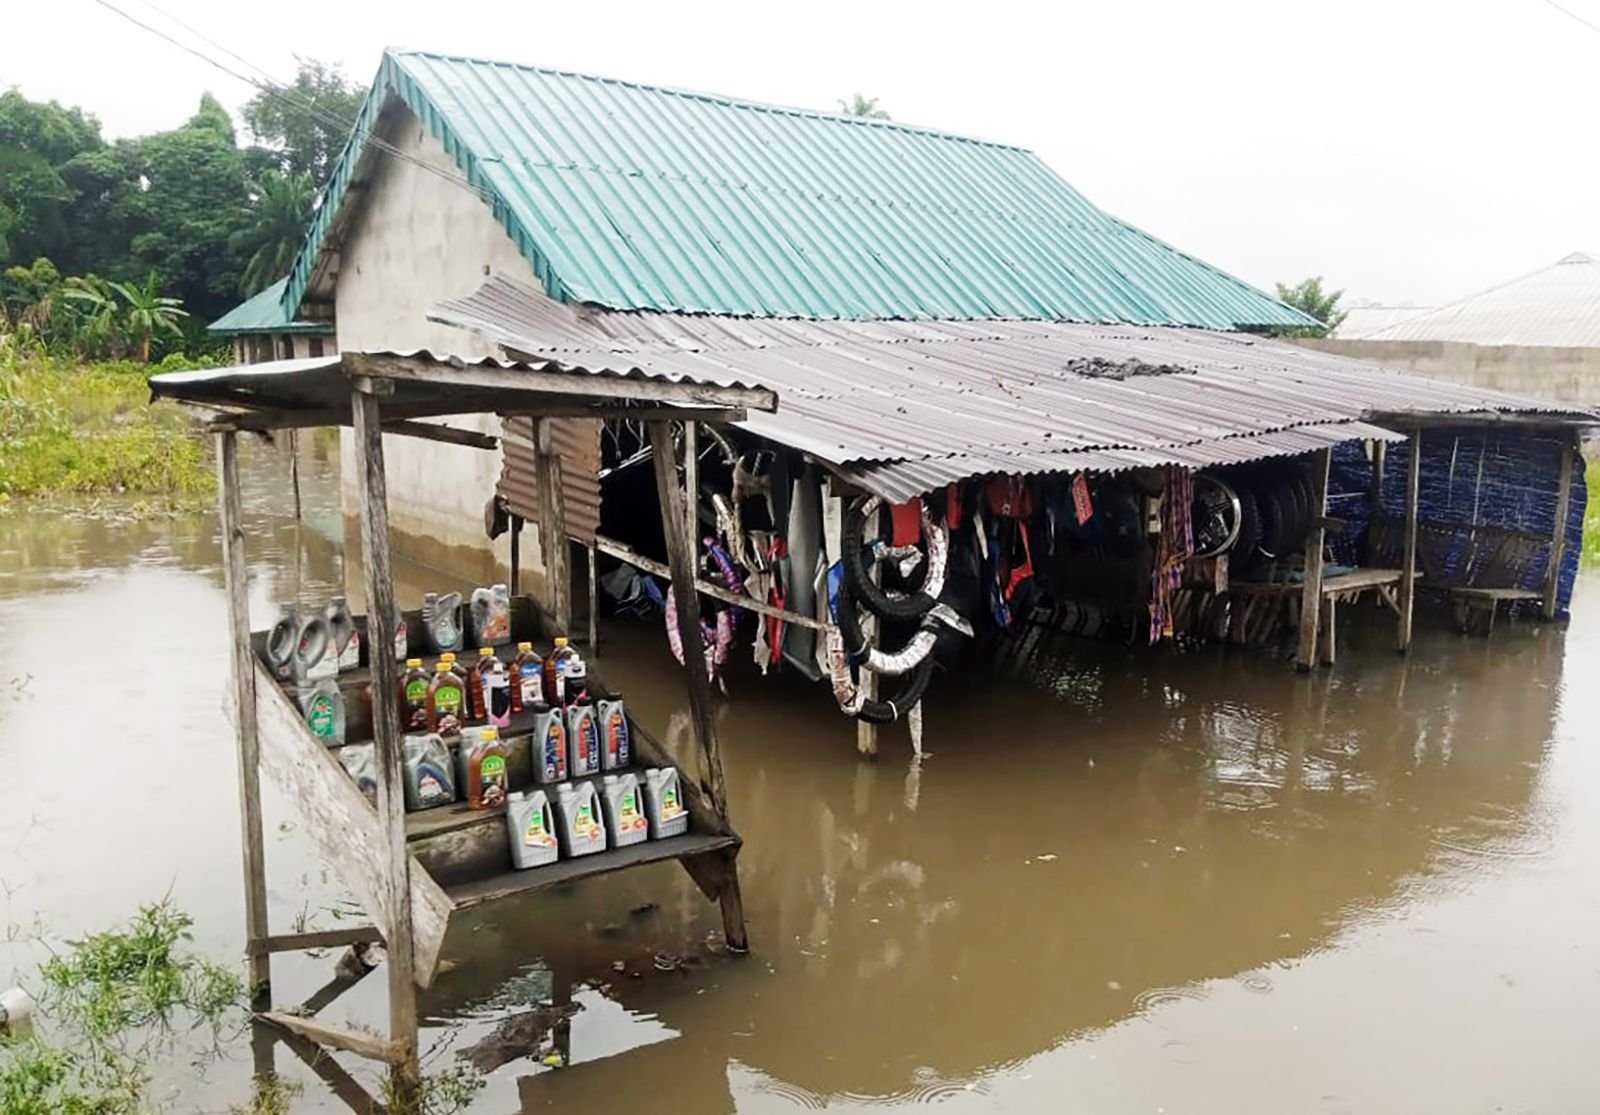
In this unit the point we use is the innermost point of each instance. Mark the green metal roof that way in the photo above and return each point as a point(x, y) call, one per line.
point(635, 197)
point(265, 312)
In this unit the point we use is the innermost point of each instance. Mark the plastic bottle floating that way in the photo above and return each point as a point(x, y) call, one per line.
point(484, 770)
point(531, 825)
point(429, 781)
point(625, 819)
point(490, 612)
point(583, 740)
point(616, 750)
point(323, 706)
point(441, 617)
point(549, 744)
point(346, 639)
point(664, 803)
point(579, 827)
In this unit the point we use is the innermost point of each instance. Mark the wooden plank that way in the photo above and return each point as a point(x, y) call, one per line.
point(546, 381)
point(1496, 594)
point(332, 1073)
point(479, 891)
point(1558, 540)
point(395, 878)
point(429, 431)
point(594, 600)
point(243, 702)
point(516, 555)
point(1408, 570)
point(1330, 617)
point(336, 1037)
point(1311, 588)
point(321, 939)
point(716, 592)
point(553, 544)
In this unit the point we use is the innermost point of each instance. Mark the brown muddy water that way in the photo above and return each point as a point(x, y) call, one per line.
point(1144, 882)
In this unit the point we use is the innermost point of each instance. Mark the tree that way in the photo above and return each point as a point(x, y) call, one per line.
point(859, 105)
point(308, 122)
point(36, 140)
point(1308, 297)
point(268, 243)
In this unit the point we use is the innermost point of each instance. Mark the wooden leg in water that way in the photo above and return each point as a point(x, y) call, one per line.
point(1558, 538)
point(259, 970)
point(395, 922)
point(1311, 590)
point(594, 602)
point(867, 734)
point(1408, 572)
point(732, 902)
point(1330, 606)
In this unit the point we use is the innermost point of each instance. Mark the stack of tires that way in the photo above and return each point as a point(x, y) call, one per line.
point(1276, 505)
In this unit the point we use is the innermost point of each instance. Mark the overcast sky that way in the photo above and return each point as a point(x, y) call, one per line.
point(1408, 150)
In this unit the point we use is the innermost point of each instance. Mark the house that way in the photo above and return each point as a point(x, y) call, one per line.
point(260, 329)
point(1361, 322)
point(1539, 333)
point(931, 309)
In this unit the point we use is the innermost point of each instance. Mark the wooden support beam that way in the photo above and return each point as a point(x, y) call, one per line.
point(706, 588)
point(1408, 571)
point(1311, 588)
point(330, 1071)
point(516, 555)
point(1330, 627)
point(320, 939)
point(552, 506)
point(594, 600)
point(235, 578)
point(372, 486)
point(1558, 538)
point(336, 1037)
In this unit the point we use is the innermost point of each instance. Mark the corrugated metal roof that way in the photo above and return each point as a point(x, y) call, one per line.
point(1361, 322)
point(577, 442)
point(264, 312)
point(1556, 307)
point(632, 196)
point(905, 406)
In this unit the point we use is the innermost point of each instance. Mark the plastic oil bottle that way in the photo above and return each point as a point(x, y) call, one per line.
point(583, 739)
point(313, 651)
point(281, 642)
point(527, 678)
point(555, 668)
point(323, 705)
point(490, 609)
point(491, 689)
point(549, 744)
point(346, 638)
point(531, 825)
point(616, 747)
point(664, 803)
point(441, 617)
point(578, 824)
point(445, 701)
point(429, 780)
point(414, 697)
point(624, 806)
point(483, 761)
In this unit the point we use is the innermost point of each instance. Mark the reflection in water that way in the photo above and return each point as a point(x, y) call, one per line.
point(1119, 863)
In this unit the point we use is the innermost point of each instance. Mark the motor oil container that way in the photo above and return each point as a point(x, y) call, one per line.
point(549, 744)
point(402, 636)
point(485, 778)
point(490, 611)
point(616, 747)
point(450, 662)
point(583, 740)
point(281, 642)
point(624, 806)
point(414, 697)
point(441, 616)
point(313, 652)
point(346, 640)
point(361, 764)
point(578, 824)
point(445, 700)
point(491, 689)
point(430, 782)
point(323, 706)
point(555, 668)
point(664, 803)
point(527, 679)
point(531, 825)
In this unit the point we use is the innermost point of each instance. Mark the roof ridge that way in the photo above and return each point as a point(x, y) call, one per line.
point(714, 98)
point(1440, 311)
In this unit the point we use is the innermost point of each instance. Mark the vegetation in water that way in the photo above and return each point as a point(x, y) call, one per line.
point(1591, 510)
point(85, 430)
point(443, 1093)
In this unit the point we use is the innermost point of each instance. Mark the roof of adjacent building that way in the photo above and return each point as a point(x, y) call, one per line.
point(265, 312)
point(637, 197)
point(1361, 322)
point(904, 407)
point(1555, 307)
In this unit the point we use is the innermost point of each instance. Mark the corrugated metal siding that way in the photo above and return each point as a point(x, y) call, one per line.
point(902, 407)
point(636, 197)
point(1556, 307)
point(577, 442)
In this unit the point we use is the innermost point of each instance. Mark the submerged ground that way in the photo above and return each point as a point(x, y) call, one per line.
point(1138, 882)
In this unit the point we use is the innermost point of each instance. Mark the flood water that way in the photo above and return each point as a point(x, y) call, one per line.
point(1139, 882)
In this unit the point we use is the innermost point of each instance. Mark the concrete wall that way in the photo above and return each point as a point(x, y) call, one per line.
point(419, 238)
point(1567, 374)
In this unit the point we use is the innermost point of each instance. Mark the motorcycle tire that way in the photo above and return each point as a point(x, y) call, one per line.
point(912, 606)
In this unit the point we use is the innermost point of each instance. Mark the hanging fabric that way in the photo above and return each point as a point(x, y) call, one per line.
point(1081, 507)
point(1174, 546)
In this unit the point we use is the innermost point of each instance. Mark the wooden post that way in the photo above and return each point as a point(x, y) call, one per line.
point(258, 961)
point(1558, 538)
point(680, 559)
point(1380, 455)
point(516, 555)
point(867, 734)
point(372, 487)
point(553, 529)
point(1408, 572)
point(1311, 590)
point(594, 601)
point(294, 471)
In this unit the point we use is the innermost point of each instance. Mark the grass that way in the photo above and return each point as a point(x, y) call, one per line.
point(87, 430)
point(1591, 511)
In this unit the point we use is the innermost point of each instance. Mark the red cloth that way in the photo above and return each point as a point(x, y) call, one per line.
point(905, 522)
point(1081, 507)
point(952, 506)
point(1008, 497)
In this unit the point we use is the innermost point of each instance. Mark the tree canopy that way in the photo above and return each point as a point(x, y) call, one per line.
point(1309, 297)
point(860, 105)
point(306, 124)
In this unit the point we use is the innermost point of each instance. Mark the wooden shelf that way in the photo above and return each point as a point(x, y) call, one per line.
point(504, 885)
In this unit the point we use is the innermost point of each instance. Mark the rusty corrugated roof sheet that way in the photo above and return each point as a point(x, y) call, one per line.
point(903, 407)
point(577, 442)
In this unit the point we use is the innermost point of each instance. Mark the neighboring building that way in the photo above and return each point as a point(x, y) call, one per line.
point(261, 330)
point(1538, 334)
point(1361, 322)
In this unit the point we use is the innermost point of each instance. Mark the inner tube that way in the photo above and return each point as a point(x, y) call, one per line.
point(856, 645)
point(879, 602)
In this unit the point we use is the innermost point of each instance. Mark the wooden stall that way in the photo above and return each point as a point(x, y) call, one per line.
point(413, 872)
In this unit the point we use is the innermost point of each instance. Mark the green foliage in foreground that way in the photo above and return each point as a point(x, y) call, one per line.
point(1591, 511)
point(89, 430)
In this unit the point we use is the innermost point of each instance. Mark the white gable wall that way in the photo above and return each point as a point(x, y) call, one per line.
point(419, 237)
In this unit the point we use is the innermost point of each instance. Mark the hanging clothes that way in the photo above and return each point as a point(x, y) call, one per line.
point(805, 559)
point(1174, 546)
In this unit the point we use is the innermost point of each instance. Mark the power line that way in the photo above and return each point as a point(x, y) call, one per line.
point(1570, 14)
